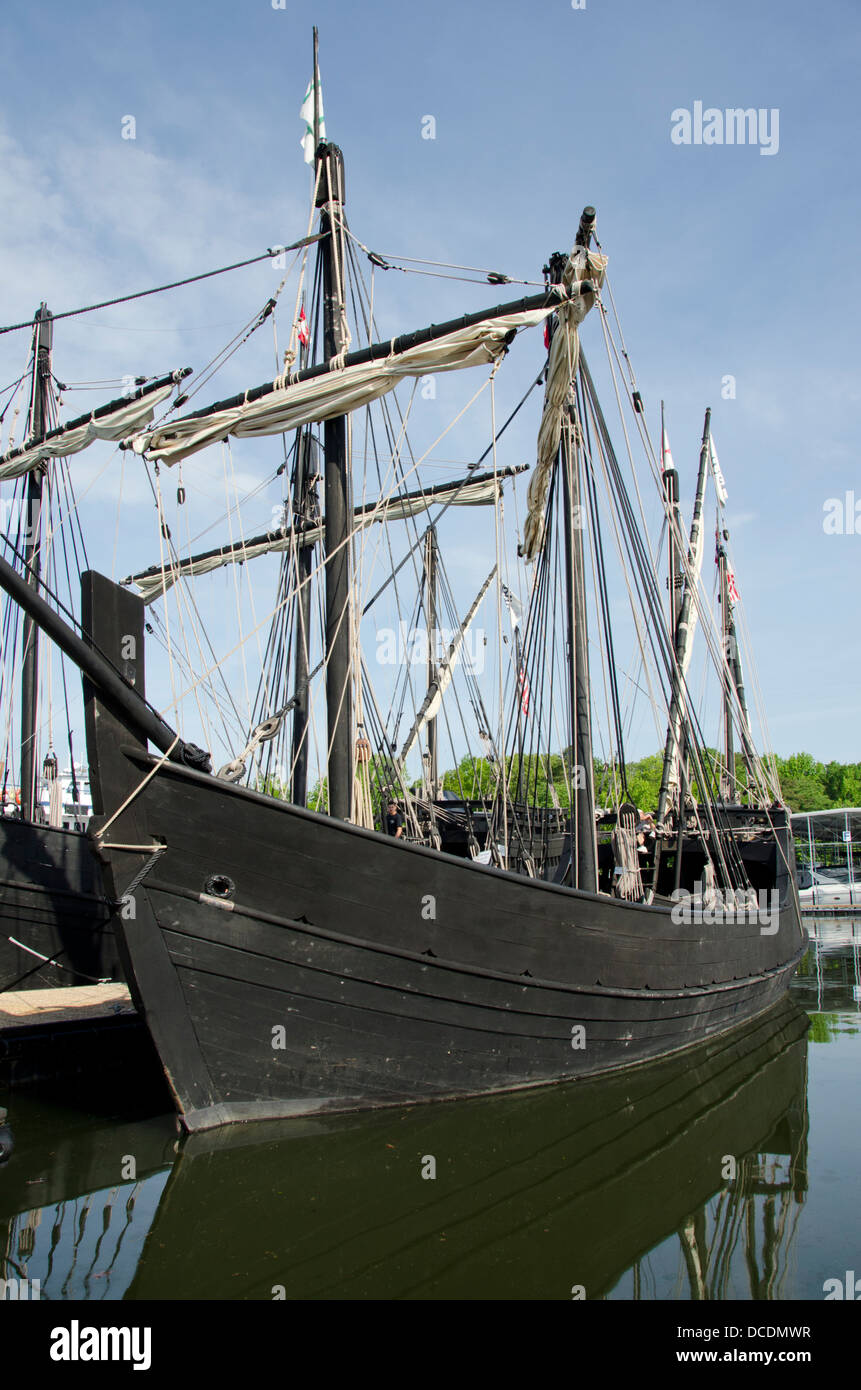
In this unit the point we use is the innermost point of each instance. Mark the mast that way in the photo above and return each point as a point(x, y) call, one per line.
point(584, 855)
point(583, 796)
point(520, 689)
point(303, 485)
point(733, 656)
point(728, 635)
point(304, 495)
point(42, 341)
point(677, 721)
point(431, 615)
point(339, 702)
point(676, 574)
point(316, 91)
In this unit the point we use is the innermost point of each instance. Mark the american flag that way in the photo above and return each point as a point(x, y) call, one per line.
point(523, 687)
point(731, 590)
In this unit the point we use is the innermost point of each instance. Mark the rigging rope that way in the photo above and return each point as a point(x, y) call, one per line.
point(174, 284)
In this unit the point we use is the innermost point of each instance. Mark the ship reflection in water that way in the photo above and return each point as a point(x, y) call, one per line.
point(686, 1178)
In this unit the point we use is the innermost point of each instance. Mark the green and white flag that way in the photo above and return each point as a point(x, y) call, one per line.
point(307, 115)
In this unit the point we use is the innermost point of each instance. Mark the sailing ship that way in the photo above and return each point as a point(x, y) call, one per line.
point(288, 955)
point(54, 920)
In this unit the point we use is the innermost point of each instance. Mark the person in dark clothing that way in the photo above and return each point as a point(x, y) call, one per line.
point(394, 821)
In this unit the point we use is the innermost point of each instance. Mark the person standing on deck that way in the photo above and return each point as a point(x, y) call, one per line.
point(394, 821)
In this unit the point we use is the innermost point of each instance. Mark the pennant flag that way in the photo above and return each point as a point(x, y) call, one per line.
point(666, 453)
point(302, 328)
point(307, 115)
point(720, 485)
point(513, 604)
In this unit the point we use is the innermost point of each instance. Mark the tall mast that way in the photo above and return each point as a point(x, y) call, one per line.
point(733, 657)
point(670, 479)
point(303, 493)
point(42, 341)
point(583, 795)
point(584, 855)
point(339, 701)
point(316, 94)
point(677, 722)
point(431, 615)
point(520, 689)
point(727, 790)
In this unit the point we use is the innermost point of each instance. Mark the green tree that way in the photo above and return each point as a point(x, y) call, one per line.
point(842, 783)
point(802, 783)
point(644, 781)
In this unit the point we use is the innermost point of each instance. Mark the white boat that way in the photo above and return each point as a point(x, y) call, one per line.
point(75, 800)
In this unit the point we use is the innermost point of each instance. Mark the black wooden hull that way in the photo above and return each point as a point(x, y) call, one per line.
point(289, 964)
point(54, 921)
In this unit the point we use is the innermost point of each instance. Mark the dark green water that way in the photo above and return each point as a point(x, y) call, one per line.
point(729, 1172)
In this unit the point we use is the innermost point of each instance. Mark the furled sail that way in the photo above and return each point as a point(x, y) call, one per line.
point(433, 699)
point(477, 491)
point(112, 421)
point(341, 385)
point(582, 267)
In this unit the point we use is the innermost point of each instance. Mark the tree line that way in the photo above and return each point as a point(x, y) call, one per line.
point(805, 783)
point(547, 780)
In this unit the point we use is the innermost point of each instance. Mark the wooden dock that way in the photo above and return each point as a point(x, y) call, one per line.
point(38, 1008)
point(92, 1033)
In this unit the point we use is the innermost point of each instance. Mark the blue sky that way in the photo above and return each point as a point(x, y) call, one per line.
point(723, 261)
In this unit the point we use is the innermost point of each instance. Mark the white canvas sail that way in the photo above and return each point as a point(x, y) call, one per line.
point(336, 392)
point(114, 425)
point(476, 493)
point(562, 367)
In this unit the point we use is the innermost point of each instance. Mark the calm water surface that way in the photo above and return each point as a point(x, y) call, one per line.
point(731, 1172)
